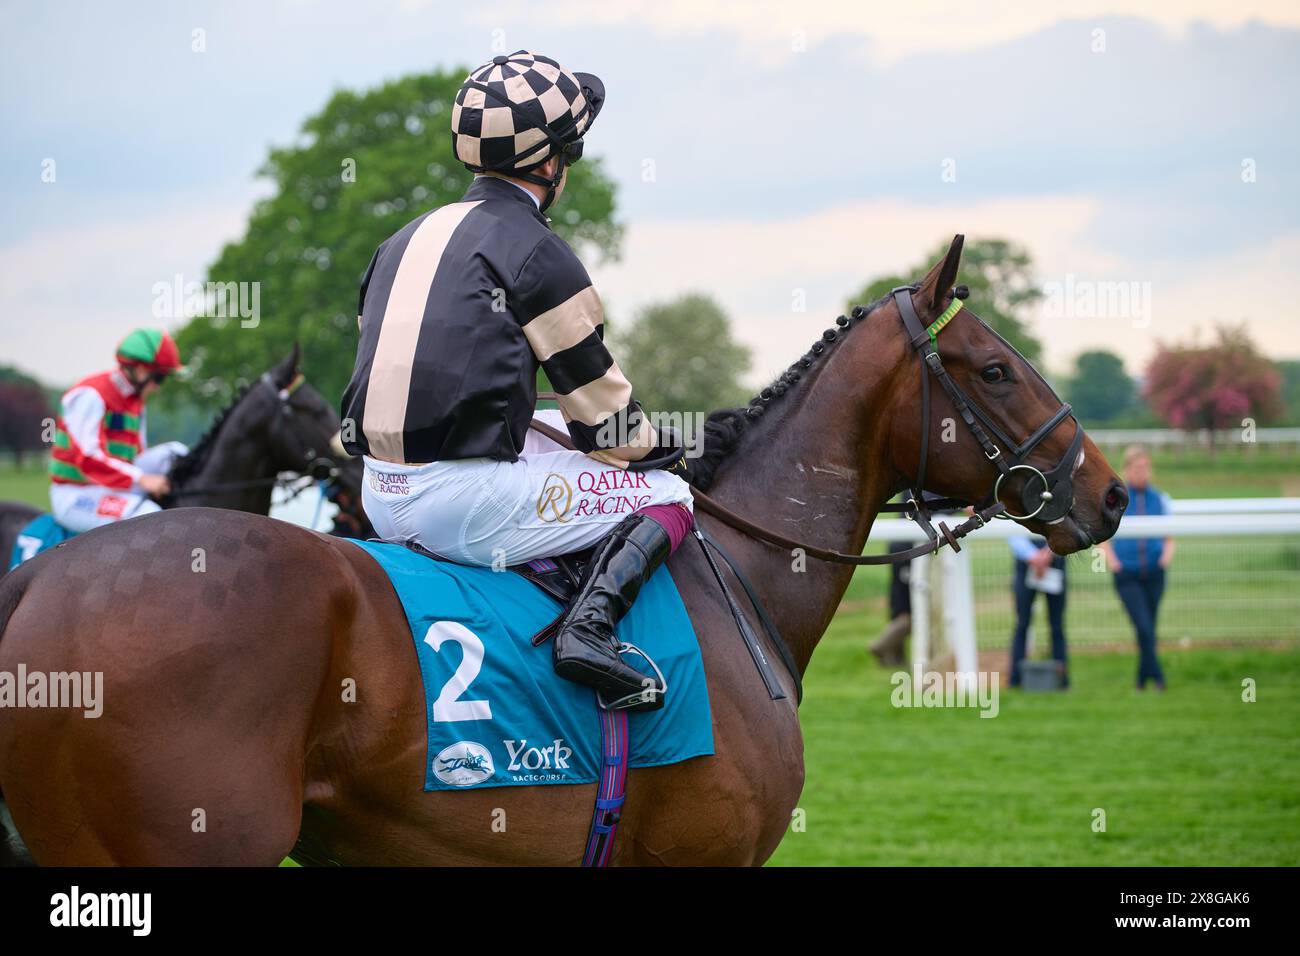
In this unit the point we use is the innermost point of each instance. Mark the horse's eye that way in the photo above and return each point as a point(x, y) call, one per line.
point(994, 374)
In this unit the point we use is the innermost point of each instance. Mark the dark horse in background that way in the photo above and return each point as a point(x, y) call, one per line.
point(259, 435)
point(223, 690)
point(265, 431)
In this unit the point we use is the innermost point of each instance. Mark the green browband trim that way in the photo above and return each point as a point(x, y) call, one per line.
point(937, 325)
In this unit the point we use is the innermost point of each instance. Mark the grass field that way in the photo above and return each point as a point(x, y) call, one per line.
point(1192, 776)
point(30, 484)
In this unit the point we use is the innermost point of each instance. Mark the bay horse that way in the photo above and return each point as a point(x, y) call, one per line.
point(224, 691)
point(235, 465)
point(277, 424)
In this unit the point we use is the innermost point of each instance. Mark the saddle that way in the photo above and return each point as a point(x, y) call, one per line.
point(557, 577)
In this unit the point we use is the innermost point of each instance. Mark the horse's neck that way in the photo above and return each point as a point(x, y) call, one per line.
point(237, 456)
point(806, 475)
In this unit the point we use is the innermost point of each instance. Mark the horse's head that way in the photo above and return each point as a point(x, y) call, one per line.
point(301, 425)
point(995, 427)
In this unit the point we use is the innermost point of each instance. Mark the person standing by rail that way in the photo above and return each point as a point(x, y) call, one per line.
point(1038, 569)
point(1139, 564)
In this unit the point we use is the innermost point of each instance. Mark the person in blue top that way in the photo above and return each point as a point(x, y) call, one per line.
point(1033, 559)
point(1139, 564)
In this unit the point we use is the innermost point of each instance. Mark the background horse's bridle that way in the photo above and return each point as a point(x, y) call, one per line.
point(1046, 495)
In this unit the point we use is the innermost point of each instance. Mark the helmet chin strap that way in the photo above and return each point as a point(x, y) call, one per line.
point(552, 185)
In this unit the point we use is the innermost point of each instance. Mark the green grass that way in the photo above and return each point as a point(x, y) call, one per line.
point(1237, 471)
point(1190, 777)
point(30, 484)
point(1218, 589)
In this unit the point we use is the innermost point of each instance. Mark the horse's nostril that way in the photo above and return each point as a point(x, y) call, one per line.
point(1116, 499)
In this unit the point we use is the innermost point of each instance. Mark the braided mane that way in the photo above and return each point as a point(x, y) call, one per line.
point(192, 463)
point(725, 429)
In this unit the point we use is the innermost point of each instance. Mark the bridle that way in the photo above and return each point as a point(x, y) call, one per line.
point(1046, 495)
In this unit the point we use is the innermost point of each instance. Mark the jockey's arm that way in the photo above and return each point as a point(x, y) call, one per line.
point(83, 418)
point(564, 322)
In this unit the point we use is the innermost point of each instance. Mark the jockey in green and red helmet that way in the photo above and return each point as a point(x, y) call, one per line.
point(101, 469)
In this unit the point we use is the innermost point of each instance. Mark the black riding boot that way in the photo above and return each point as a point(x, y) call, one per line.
point(586, 649)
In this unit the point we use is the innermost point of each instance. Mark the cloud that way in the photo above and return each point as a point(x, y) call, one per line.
point(69, 294)
point(756, 270)
point(773, 30)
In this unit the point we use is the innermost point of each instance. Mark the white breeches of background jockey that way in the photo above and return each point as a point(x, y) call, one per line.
point(82, 507)
point(499, 513)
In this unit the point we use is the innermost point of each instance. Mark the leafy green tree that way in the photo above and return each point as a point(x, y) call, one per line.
point(364, 166)
point(1290, 372)
point(1100, 390)
point(1000, 276)
point(680, 357)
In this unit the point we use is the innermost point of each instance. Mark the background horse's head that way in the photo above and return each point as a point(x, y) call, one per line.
point(1032, 453)
point(301, 425)
point(278, 423)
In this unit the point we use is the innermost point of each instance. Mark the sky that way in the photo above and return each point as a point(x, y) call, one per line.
point(776, 156)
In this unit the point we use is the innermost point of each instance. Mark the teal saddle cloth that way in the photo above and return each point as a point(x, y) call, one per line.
point(497, 714)
point(39, 535)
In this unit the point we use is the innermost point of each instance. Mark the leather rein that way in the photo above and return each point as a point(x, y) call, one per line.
point(1056, 489)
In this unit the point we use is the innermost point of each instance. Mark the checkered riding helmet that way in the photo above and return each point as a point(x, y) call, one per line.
point(514, 113)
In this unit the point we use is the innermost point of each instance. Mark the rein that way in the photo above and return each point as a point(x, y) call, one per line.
point(1050, 503)
point(944, 535)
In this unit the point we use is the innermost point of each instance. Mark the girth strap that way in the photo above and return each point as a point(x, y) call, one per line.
point(755, 647)
point(610, 789)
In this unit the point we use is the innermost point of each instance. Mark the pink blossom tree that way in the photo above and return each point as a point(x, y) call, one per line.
point(1213, 386)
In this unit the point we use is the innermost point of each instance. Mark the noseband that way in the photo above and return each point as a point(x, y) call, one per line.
point(1045, 495)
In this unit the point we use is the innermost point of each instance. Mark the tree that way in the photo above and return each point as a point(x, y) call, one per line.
point(1289, 369)
point(1213, 386)
point(363, 167)
point(24, 408)
point(1000, 276)
point(680, 357)
point(1100, 390)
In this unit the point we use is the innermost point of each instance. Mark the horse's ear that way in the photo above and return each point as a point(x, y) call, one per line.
point(284, 372)
point(938, 282)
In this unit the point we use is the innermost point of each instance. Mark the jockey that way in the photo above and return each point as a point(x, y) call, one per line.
point(100, 470)
point(457, 311)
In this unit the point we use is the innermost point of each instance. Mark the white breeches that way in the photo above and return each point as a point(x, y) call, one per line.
point(82, 507)
point(499, 513)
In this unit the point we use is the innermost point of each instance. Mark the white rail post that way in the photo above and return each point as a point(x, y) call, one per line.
point(957, 593)
point(919, 591)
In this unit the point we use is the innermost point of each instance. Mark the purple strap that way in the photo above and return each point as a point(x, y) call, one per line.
point(610, 790)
